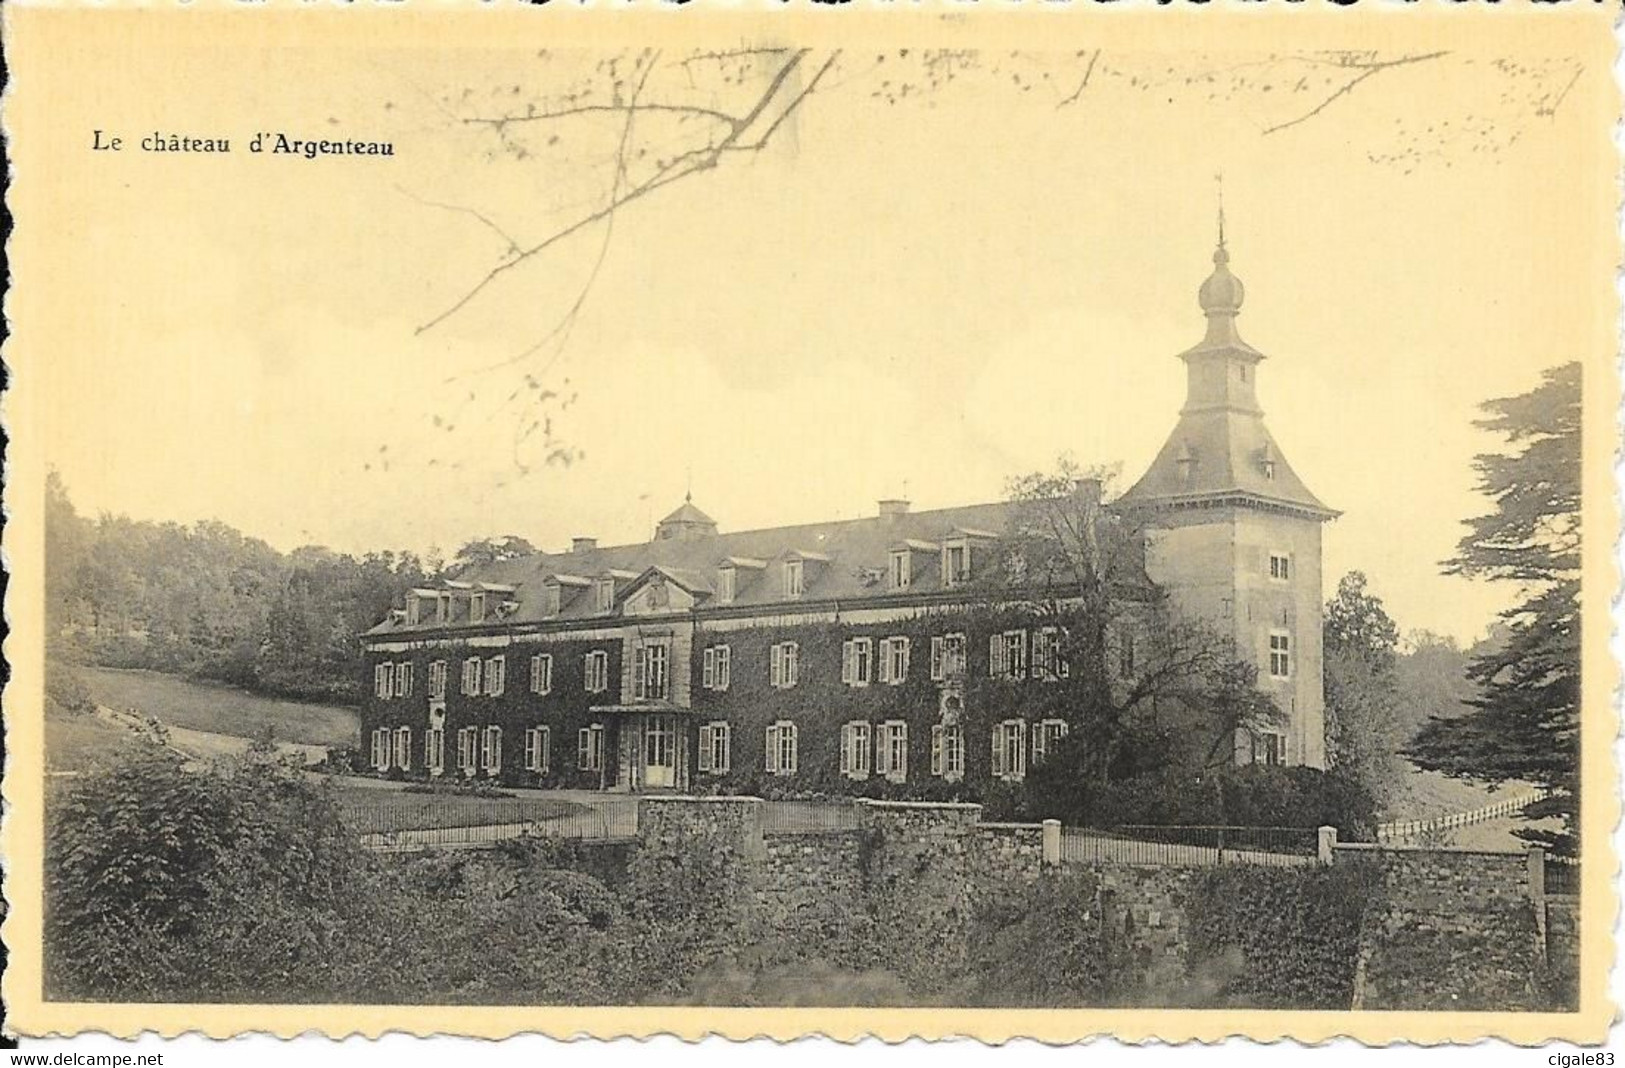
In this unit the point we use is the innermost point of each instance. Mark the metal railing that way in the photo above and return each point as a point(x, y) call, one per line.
point(1562, 876)
point(1190, 846)
point(401, 821)
point(809, 817)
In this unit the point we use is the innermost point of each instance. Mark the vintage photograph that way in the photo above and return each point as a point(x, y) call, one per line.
point(560, 512)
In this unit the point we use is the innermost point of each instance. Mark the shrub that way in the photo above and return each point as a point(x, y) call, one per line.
point(65, 688)
point(1043, 947)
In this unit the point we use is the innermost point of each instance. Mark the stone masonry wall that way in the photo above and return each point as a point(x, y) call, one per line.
point(1563, 951)
point(811, 895)
point(1453, 930)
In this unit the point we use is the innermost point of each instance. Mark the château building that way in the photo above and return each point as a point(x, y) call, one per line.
point(847, 654)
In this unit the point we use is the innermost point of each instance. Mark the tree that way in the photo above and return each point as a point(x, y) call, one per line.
point(483, 551)
point(1080, 564)
point(1525, 722)
point(1362, 690)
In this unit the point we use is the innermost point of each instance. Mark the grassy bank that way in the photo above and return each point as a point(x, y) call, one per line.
point(222, 709)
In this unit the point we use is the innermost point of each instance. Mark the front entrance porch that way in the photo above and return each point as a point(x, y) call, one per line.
point(651, 747)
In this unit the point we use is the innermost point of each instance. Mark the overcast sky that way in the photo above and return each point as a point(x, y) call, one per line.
point(911, 298)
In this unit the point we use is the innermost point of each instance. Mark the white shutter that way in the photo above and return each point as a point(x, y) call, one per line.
point(1038, 743)
point(708, 675)
point(848, 655)
point(724, 666)
point(882, 753)
point(847, 742)
point(995, 656)
point(795, 747)
point(772, 761)
point(792, 663)
point(705, 745)
point(938, 668)
point(936, 750)
point(999, 766)
point(776, 666)
point(1019, 668)
point(530, 749)
point(905, 645)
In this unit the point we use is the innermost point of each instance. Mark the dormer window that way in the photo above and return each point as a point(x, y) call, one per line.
point(726, 585)
point(955, 563)
point(793, 586)
point(476, 607)
point(902, 569)
point(442, 608)
point(554, 598)
point(604, 594)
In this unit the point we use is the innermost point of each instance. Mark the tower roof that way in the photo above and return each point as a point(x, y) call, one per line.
point(1220, 450)
point(688, 513)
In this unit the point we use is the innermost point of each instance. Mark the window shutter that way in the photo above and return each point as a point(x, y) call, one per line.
point(848, 654)
point(792, 662)
point(847, 743)
point(1019, 668)
point(995, 656)
point(906, 646)
point(795, 747)
point(938, 671)
point(726, 734)
point(936, 750)
point(708, 673)
point(724, 667)
point(772, 762)
point(776, 666)
point(704, 762)
point(999, 767)
point(884, 674)
point(1018, 752)
point(1038, 743)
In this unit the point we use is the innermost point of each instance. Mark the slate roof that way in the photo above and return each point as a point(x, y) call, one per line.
point(1226, 453)
point(858, 552)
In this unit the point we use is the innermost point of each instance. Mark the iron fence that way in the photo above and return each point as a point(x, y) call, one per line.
point(1191, 846)
point(809, 817)
point(1562, 877)
point(401, 821)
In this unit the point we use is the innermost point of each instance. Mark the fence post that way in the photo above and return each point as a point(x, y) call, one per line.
point(1328, 839)
point(1052, 843)
point(1537, 873)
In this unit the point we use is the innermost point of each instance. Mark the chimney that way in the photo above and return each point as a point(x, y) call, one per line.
point(1088, 491)
point(583, 545)
point(892, 508)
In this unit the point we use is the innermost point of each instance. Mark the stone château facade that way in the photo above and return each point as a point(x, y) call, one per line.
point(849, 654)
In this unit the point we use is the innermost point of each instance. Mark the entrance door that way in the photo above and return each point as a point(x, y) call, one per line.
point(660, 752)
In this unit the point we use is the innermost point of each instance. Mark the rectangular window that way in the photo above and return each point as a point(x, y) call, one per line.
point(717, 667)
point(538, 746)
point(476, 608)
point(381, 680)
point(782, 665)
point(468, 741)
point(597, 671)
point(1048, 663)
point(725, 585)
point(1010, 750)
point(1007, 655)
point(650, 672)
point(715, 749)
point(1280, 567)
point(380, 749)
point(434, 750)
point(948, 751)
point(442, 608)
point(471, 677)
point(781, 748)
point(891, 756)
point(496, 676)
point(1269, 748)
point(955, 564)
point(1047, 734)
point(555, 599)
point(1126, 653)
point(403, 680)
point(857, 656)
point(437, 680)
point(902, 570)
point(491, 750)
point(604, 594)
point(1280, 655)
point(894, 661)
point(403, 747)
point(541, 673)
point(947, 656)
point(855, 750)
point(792, 578)
point(590, 748)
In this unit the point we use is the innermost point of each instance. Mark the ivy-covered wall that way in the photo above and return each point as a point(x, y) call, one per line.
point(565, 709)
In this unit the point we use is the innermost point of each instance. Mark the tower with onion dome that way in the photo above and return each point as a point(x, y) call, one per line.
point(1233, 534)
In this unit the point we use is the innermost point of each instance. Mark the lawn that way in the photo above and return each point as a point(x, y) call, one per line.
point(1429, 794)
point(79, 741)
point(222, 709)
point(374, 811)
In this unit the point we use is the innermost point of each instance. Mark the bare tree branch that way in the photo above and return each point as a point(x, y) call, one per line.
point(1367, 68)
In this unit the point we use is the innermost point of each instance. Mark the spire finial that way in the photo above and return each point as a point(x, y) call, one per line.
point(688, 494)
point(1219, 178)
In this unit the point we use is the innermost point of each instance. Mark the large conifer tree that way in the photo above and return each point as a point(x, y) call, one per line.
point(1526, 720)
